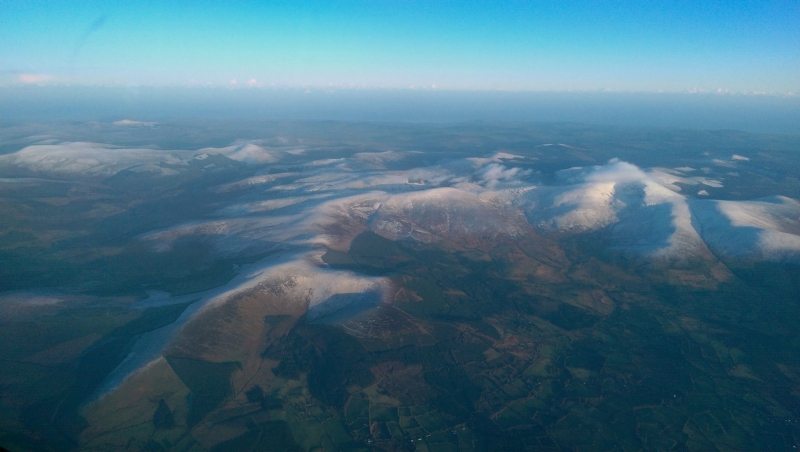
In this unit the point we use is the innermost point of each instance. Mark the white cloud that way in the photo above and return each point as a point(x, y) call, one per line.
point(133, 123)
point(34, 79)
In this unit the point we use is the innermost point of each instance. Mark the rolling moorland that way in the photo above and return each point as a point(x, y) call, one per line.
point(376, 286)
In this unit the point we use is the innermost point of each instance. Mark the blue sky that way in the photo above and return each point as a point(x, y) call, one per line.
point(674, 46)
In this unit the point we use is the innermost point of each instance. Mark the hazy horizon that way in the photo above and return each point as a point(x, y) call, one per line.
point(751, 113)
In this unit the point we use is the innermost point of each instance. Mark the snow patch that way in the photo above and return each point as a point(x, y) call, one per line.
point(93, 159)
point(249, 153)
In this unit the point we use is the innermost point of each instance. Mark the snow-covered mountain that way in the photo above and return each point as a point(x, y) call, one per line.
point(448, 214)
point(765, 229)
point(647, 213)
